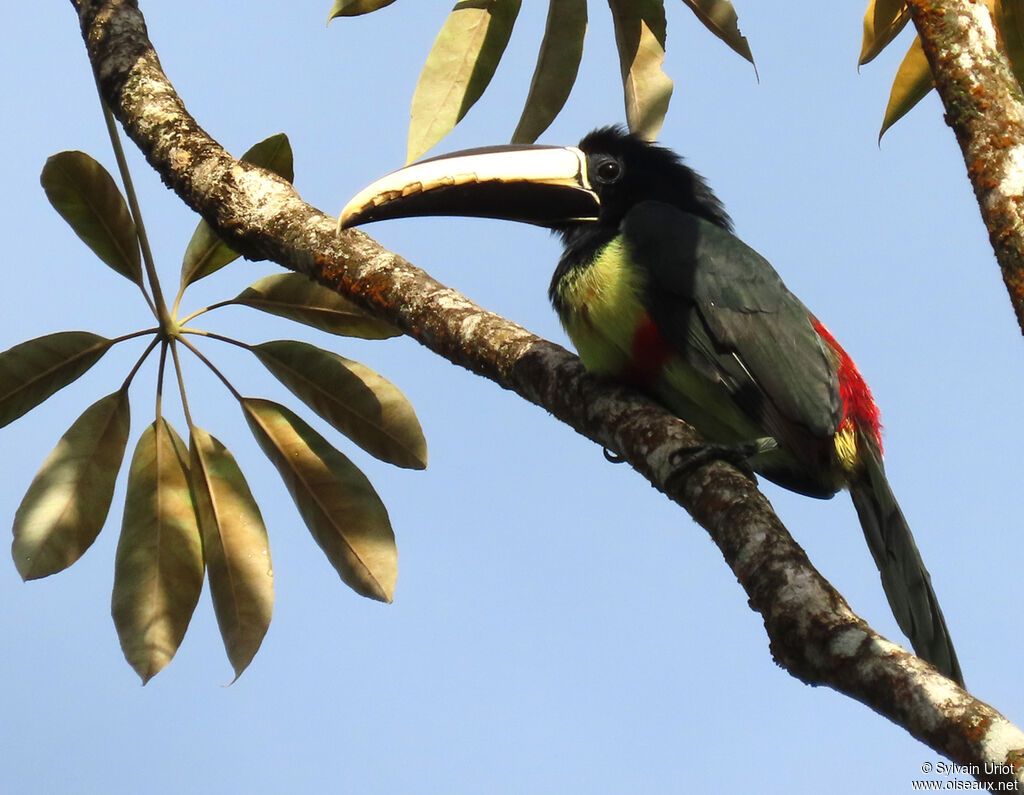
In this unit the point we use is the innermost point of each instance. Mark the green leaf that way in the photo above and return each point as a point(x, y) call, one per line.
point(883, 20)
point(299, 298)
point(236, 548)
point(32, 371)
point(355, 8)
point(912, 83)
point(86, 196)
point(158, 568)
point(336, 501)
point(1009, 17)
point(458, 68)
point(274, 154)
point(640, 37)
point(67, 504)
point(720, 18)
point(206, 252)
point(557, 65)
point(363, 405)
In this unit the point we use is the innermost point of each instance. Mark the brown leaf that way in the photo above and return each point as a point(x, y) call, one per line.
point(67, 504)
point(298, 298)
point(336, 501)
point(158, 569)
point(883, 20)
point(912, 83)
point(354, 8)
point(32, 371)
point(236, 548)
point(458, 68)
point(1009, 18)
point(720, 18)
point(557, 64)
point(86, 196)
point(363, 405)
point(640, 37)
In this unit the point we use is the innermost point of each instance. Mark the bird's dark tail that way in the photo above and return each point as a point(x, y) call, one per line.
point(904, 576)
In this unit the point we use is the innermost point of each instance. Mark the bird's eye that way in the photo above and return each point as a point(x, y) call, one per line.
point(608, 171)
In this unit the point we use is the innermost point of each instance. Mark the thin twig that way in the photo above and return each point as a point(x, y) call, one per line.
point(159, 308)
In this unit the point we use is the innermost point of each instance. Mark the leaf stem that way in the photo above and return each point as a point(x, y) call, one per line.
point(181, 385)
point(156, 303)
point(215, 336)
point(134, 334)
point(177, 300)
point(204, 310)
point(160, 379)
point(199, 355)
point(138, 364)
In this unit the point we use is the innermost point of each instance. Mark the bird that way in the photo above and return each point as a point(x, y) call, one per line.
point(654, 289)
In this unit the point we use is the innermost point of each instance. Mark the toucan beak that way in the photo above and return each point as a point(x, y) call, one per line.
point(545, 185)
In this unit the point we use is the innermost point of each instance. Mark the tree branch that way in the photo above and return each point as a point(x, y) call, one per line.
point(813, 632)
point(983, 106)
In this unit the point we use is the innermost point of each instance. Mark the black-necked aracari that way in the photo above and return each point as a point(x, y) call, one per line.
point(654, 288)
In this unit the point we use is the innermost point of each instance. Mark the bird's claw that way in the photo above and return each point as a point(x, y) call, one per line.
point(687, 459)
point(612, 458)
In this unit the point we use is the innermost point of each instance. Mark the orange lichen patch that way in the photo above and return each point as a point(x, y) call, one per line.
point(976, 730)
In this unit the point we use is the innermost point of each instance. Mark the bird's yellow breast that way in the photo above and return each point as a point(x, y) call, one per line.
point(602, 307)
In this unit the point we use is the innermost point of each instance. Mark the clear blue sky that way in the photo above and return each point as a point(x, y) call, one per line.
point(558, 625)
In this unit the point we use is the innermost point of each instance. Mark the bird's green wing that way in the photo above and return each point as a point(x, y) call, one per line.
point(725, 310)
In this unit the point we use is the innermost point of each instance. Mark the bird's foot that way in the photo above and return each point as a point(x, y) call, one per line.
point(687, 459)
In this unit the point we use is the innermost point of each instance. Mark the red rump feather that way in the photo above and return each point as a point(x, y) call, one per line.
point(859, 406)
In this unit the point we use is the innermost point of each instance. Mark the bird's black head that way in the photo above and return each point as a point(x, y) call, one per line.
point(624, 170)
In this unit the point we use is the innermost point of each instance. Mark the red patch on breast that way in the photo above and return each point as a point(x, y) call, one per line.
point(859, 406)
point(648, 353)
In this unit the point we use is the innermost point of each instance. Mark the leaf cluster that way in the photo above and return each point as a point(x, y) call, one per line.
point(883, 21)
point(189, 514)
point(473, 38)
